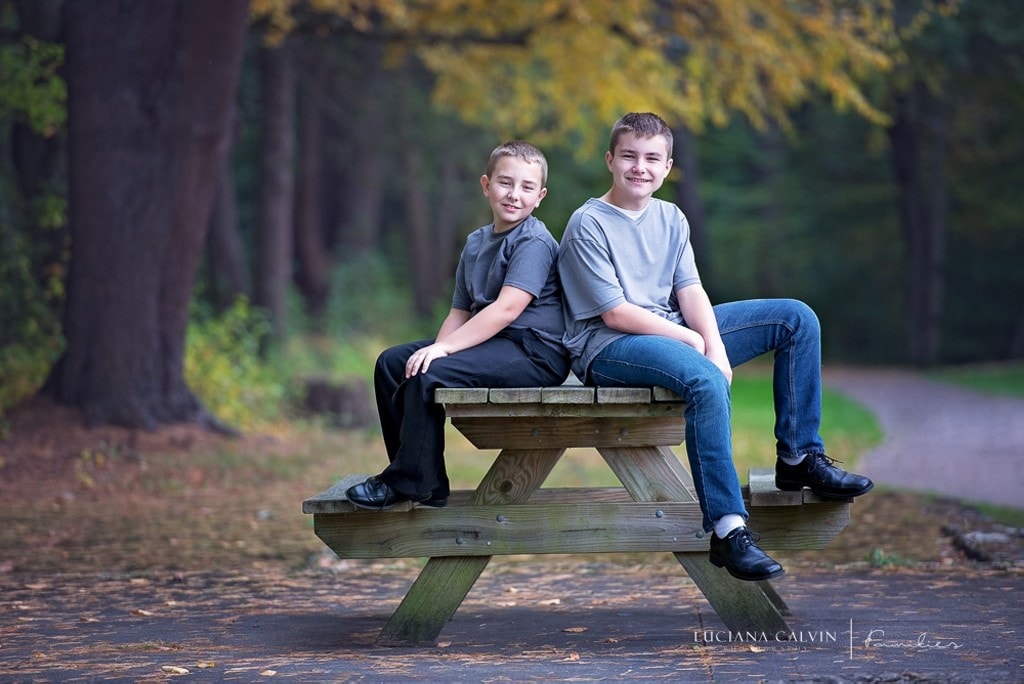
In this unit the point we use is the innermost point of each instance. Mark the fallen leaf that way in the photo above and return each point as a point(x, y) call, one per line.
point(575, 630)
point(444, 644)
point(175, 670)
point(268, 673)
point(203, 664)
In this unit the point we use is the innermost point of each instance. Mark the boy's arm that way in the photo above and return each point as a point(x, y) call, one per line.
point(636, 320)
point(472, 330)
point(695, 306)
point(455, 319)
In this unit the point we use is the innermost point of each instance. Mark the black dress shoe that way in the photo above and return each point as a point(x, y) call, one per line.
point(826, 480)
point(374, 495)
point(744, 560)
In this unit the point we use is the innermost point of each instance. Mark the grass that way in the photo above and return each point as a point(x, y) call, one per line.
point(990, 378)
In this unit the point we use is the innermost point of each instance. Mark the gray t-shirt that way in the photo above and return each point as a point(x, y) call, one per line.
point(608, 258)
point(523, 257)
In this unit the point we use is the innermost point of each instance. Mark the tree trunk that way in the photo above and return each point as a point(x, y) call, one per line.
point(771, 214)
point(277, 185)
point(451, 194)
point(150, 94)
point(225, 249)
point(313, 257)
point(918, 143)
point(417, 225)
point(687, 197)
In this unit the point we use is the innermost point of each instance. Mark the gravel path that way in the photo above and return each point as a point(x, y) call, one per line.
point(938, 437)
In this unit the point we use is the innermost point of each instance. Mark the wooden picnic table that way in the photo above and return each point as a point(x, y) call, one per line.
point(510, 513)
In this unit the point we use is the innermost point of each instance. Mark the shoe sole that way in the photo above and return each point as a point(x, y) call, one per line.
point(432, 503)
point(375, 507)
point(825, 494)
point(718, 563)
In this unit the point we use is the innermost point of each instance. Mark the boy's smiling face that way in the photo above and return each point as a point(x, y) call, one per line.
point(639, 166)
point(514, 189)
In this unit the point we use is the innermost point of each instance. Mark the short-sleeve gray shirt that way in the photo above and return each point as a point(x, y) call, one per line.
point(607, 258)
point(525, 258)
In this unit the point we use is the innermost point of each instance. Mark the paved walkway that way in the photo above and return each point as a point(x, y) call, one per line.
point(522, 622)
point(939, 438)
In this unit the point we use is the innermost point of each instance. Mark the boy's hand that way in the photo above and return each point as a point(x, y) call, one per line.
point(419, 362)
point(718, 357)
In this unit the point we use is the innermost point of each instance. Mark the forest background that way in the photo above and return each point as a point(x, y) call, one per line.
point(203, 203)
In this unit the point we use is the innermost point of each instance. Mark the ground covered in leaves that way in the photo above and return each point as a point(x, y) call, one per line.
point(116, 501)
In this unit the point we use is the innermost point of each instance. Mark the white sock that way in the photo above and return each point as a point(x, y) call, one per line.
point(727, 523)
point(792, 460)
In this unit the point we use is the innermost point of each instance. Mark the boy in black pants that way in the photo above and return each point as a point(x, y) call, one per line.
point(504, 330)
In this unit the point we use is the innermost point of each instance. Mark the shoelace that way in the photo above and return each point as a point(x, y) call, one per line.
point(746, 538)
point(824, 461)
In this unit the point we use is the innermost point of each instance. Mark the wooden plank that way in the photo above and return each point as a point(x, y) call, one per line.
point(516, 529)
point(431, 601)
point(461, 497)
point(461, 395)
point(333, 499)
point(648, 475)
point(764, 493)
point(812, 526)
point(514, 395)
point(623, 395)
point(564, 431)
point(515, 475)
point(742, 606)
point(663, 394)
point(667, 411)
point(568, 394)
point(444, 581)
point(542, 528)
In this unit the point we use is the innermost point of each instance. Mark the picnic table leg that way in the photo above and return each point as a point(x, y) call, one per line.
point(432, 600)
point(653, 474)
point(445, 581)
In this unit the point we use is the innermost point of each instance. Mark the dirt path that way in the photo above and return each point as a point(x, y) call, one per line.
point(939, 438)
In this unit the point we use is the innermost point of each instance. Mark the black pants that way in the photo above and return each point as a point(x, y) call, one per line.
point(413, 424)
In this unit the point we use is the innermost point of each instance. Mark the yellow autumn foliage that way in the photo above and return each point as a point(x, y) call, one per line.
point(551, 69)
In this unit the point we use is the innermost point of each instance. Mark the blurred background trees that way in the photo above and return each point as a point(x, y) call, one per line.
point(863, 156)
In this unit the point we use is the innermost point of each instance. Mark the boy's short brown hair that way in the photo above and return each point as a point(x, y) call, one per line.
point(642, 125)
point(521, 150)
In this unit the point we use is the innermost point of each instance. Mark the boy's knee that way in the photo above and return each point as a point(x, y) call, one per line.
point(709, 389)
point(802, 317)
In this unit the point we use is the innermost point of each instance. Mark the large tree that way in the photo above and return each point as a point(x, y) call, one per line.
point(151, 87)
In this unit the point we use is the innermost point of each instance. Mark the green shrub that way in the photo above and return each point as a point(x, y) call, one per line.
point(30, 334)
point(227, 369)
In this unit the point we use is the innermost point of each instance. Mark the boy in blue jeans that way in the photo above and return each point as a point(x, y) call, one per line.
point(504, 329)
point(637, 315)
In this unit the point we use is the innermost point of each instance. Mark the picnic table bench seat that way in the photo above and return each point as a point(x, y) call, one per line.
point(509, 513)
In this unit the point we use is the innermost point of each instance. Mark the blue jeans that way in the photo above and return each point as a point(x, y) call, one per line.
point(788, 328)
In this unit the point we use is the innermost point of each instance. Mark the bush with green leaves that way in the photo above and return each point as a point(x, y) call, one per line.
point(227, 366)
